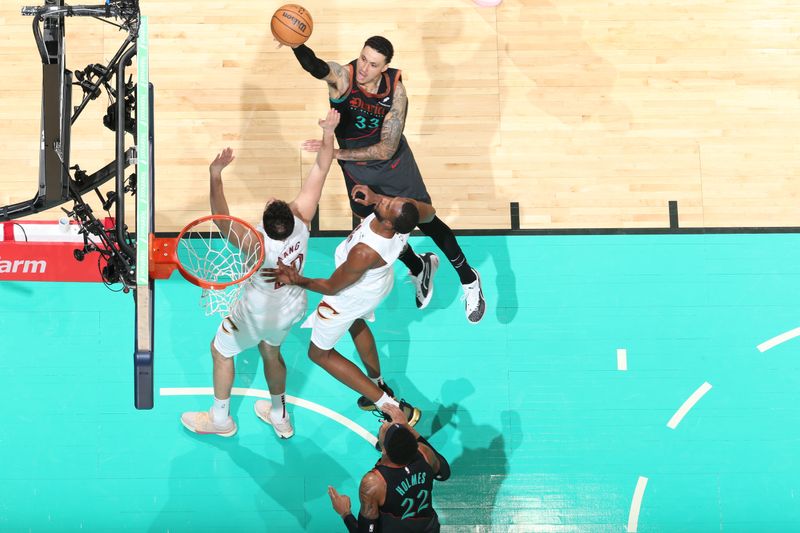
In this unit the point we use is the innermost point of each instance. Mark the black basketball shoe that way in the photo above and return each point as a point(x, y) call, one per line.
point(423, 283)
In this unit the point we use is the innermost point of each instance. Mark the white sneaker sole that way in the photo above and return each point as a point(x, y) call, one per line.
point(480, 291)
point(230, 433)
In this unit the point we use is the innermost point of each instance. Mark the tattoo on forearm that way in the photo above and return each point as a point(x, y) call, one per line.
point(338, 79)
point(369, 510)
point(367, 153)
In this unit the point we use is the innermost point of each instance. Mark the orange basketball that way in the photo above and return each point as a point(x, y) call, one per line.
point(291, 25)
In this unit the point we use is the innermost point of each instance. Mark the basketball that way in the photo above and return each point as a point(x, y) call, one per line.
point(291, 25)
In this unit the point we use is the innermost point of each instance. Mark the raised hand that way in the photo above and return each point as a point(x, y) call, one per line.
point(340, 502)
point(312, 145)
point(330, 122)
point(395, 413)
point(222, 160)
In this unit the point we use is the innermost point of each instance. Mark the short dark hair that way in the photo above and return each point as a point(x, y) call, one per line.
point(408, 218)
point(400, 444)
point(278, 220)
point(382, 46)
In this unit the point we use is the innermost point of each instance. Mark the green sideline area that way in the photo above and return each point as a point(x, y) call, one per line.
point(543, 431)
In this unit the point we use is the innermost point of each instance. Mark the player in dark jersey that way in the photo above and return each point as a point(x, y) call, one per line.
point(373, 151)
point(397, 494)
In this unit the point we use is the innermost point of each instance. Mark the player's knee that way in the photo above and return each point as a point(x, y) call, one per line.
point(317, 354)
point(357, 327)
point(268, 351)
point(219, 354)
point(215, 353)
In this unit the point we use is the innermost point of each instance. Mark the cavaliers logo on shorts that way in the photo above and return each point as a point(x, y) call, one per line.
point(325, 311)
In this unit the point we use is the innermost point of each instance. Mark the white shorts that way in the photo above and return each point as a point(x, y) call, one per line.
point(271, 327)
point(334, 315)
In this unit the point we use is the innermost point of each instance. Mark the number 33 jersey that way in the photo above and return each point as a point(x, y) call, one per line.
point(363, 114)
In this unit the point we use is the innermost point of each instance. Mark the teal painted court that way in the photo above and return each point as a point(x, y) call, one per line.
point(542, 427)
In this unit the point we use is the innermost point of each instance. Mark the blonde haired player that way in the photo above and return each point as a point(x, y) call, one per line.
point(266, 309)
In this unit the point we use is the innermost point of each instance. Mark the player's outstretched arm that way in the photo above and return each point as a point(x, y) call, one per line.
point(335, 75)
point(219, 205)
point(360, 259)
point(391, 132)
point(236, 233)
point(305, 205)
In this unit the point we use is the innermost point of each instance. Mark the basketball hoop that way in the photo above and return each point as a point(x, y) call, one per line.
point(215, 252)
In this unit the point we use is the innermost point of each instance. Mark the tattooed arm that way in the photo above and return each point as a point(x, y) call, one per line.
point(391, 132)
point(338, 80)
point(372, 493)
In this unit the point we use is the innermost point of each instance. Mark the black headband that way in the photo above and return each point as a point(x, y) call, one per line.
point(400, 444)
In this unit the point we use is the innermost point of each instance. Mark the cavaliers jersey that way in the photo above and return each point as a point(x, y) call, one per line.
point(260, 297)
point(408, 505)
point(362, 116)
point(377, 281)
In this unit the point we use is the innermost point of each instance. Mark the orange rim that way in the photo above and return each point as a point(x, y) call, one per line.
point(214, 285)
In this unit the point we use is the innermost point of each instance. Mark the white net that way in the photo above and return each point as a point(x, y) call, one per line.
point(221, 254)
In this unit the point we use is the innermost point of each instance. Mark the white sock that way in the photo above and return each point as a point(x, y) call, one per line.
point(278, 410)
point(220, 410)
point(384, 400)
point(377, 381)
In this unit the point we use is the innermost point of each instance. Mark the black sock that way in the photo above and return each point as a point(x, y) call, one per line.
point(445, 239)
point(411, 260)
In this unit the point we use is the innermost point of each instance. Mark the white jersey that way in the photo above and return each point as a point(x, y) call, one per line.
point(335, 314)
point(260, 297)
point(375, 281)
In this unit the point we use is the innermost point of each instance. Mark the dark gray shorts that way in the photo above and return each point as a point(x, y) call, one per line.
point(398, 176)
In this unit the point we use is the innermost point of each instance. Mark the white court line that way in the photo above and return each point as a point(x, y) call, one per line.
point(688, 404)
point(774, 341)
point(622, 359)
point(256, 393)
point(636, 504)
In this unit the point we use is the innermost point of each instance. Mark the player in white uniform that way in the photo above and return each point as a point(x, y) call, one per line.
point(266, 309)
point(363, 277)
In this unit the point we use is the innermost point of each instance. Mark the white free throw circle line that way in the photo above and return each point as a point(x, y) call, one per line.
point(688, 404)
point(636, 504)
point(257, 393)
point(774, 341)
